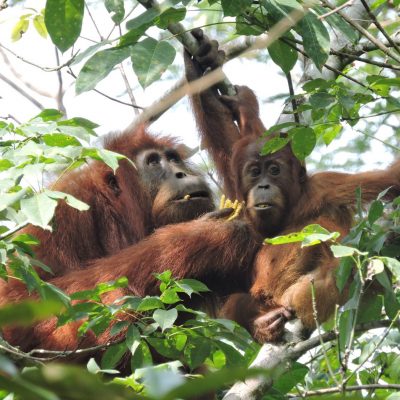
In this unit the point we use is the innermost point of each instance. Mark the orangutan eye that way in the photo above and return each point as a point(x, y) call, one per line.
point(255, 171)
point(274, 169)
point(153, 159)
point(173, 157)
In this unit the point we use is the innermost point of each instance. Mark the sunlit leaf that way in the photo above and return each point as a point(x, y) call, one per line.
point(63, 19)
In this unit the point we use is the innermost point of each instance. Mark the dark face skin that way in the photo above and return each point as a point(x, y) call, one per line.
point(178, 194)
point(270, 185)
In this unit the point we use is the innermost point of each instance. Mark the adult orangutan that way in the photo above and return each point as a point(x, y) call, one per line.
point(215, 251)
point(280, 198)
point(125, 206)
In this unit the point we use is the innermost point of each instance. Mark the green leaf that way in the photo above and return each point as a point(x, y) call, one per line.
point(107, 156)
point(146, 18)
point(27, 312)
point(196, 351)
point(316, 39)
point(170, 16)
point(63, 19)
point(328, 132)
point(232, 8)
point(116, 9)
point(113, 355)
point(165, 318)
point(343, 251)
point(19, 29)
point(303, 141)
point(375, 266)
point(69, 199)
point(279, 9)
point(133, 338)
point(375, 211)
point(393, 265)
point(150, 59)
point(169, 296)
point(5, 164)
point(142, 356)
point(343, 272)
point(283, 55)
point(190, 286)
point(274, 144)
point(50, 114)
point(99, 66)
point(39, 209)
point(150, 303)
point(309, 235)
point(38, 23)
point(321, 100)
point(318, 83)
point(338, 23)
point(60, 140)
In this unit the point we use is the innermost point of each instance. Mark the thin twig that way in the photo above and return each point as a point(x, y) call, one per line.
point(94, 22)
point(335, 70)
point(364, 32)
point(293, 101)
point(108, 96)
point(60, 91)
point(22, 92)
point(46, 69)
point(383, 337)
point(365, 60)
point(344, 5)
point(379, 26)
point(320, 392)
point(396, 110)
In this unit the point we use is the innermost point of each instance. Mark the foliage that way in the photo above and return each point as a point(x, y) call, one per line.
point(325, 107)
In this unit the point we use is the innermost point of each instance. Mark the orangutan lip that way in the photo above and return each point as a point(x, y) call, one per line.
point(201, 194)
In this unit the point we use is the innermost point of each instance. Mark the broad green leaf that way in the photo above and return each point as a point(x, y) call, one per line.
point(169, 296)
point(79, 122)
point(146, 18)
point(393, 265)
point(27, 312)
point(63, 19)
point(39, 209)
point(309, 235)
point(328, 132)
point(338, 23)
point(99, 66)
point(132, 338)
point(303, 142)
point(116, 9)
point(290, 378)
point(318, 83)
point(150, 59)
point(375, 211)
point(60, 140)
point(192, 285)
point(343, 251)
point(69, 199)
point(107, 156)
point(343, 272)
point(113, 355)
point(50, 114)
point(165, 318)
point(5, 164)
point(170, 16)
point(89, 51)
point(316, 39)
point(279, 127)
point(283, 55)
point(244, 28)
point(150, 303)
point(321, 100)
point(279, 9)
point(232, 8)
point(374, 267)
point(142, 357)
point(196, 351)
point(274, 144)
